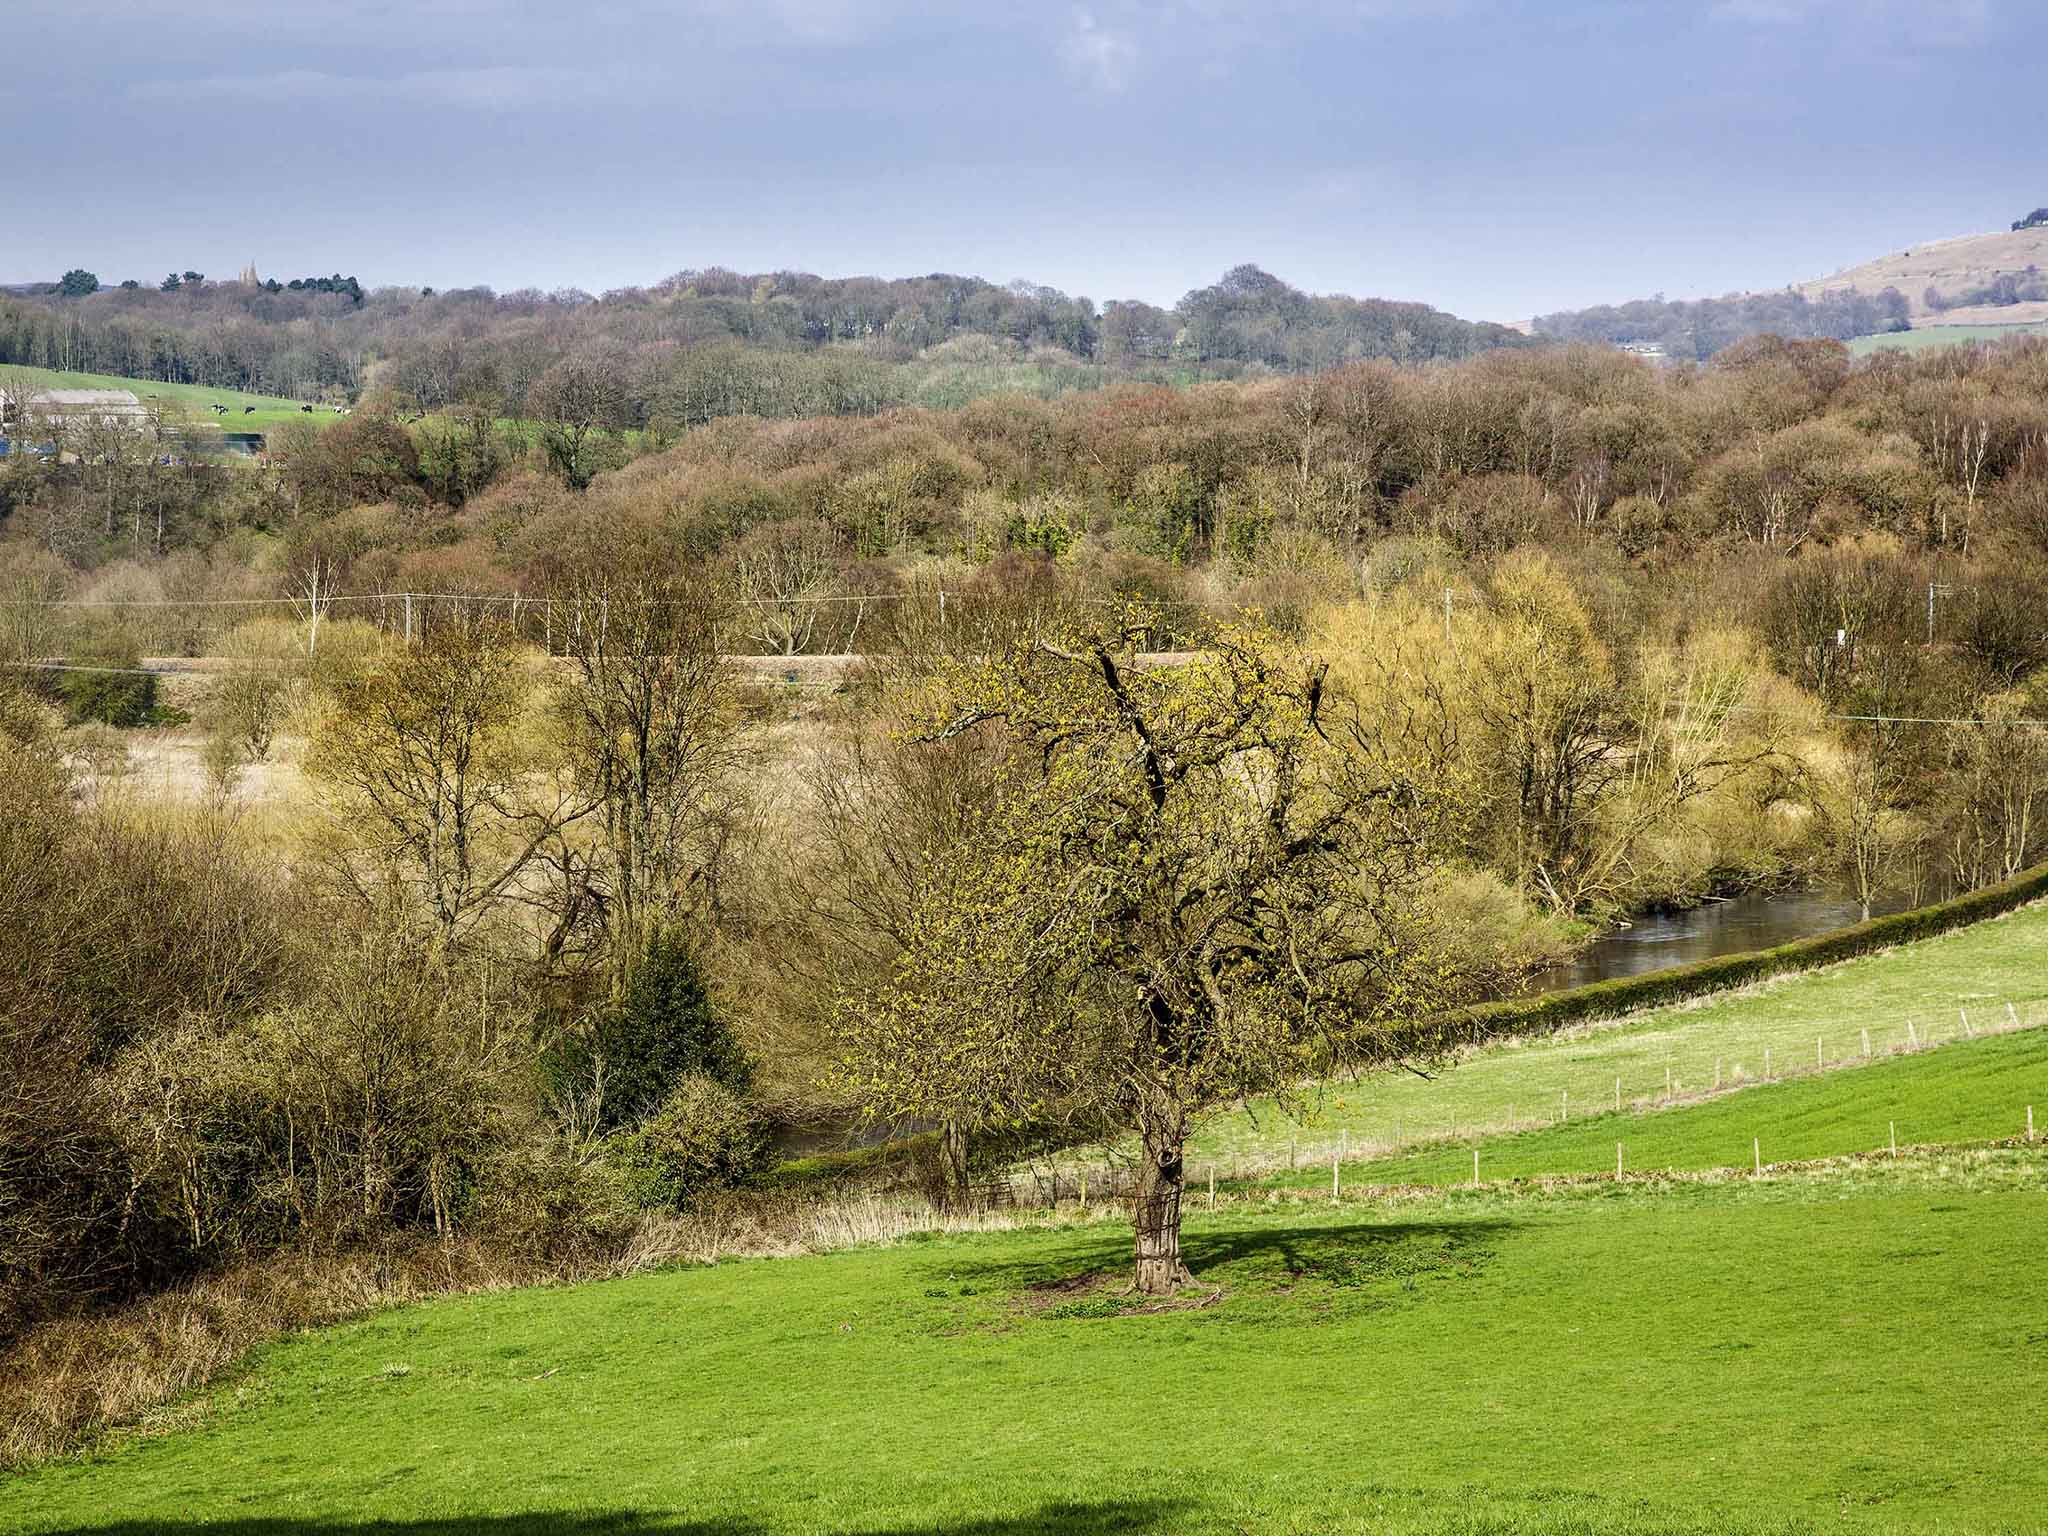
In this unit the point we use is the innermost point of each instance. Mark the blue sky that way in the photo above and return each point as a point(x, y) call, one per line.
point(1495, 157)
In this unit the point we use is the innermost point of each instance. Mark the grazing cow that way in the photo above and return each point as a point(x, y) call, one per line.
point(307, 409)
point(218, 410)
point(248, 410)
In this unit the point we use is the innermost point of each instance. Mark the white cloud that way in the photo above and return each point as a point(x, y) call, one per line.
point(1097, 55)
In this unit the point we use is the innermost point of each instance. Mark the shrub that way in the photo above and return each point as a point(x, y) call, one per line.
point(633, 1053)
point(704, 1137)
point(112, 690)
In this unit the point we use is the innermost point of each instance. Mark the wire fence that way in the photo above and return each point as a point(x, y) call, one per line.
point(71, 631)
point(1111, 1176)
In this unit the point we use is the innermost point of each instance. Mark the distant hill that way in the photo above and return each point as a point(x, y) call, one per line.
point(1956, 268)
point(711, 342)
point(1996, 279)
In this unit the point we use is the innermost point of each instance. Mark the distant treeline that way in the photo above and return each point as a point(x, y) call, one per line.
point(2027, 287)
point(776, 343)
point(1694, 330)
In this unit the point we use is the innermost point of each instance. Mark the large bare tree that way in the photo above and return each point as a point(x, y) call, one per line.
point(1186, 892)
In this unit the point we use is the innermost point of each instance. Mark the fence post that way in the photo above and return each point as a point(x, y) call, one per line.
point(1290, 1154)
point(1566, 1110)
point(1968, 1033)
point(1912, 1036)
point(1756, 1151)
point(1866, 1042)
point(1667, 1082)
point(1333, 1173)
point(2030, 1122)
point(408, 618)
point(1212, 1186)
point(1617, 1160)
point(1895, 1136)
point(1767, 1063)
point(1617, 1095)
point(1717, 1072)
point(1475, 1151)
point(1820, 1062)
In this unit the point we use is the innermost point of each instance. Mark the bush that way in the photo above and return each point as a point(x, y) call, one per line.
point(107, 695)
point(632, 1054)
point(705, 1137)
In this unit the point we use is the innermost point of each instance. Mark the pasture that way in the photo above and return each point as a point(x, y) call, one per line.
point(1856, 1341)
point(1863, 1349)
point(1966, 1091)
point(1936, 989)
point(245, 412)
point(1923, 337)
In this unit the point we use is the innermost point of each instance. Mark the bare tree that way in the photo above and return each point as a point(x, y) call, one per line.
point(655, 739)
point(783, 575)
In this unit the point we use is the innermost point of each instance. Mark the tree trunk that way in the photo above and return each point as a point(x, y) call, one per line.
point(955, 1193)
point(1156, 1215)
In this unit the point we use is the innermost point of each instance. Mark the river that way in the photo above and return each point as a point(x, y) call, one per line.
point(1658, 941)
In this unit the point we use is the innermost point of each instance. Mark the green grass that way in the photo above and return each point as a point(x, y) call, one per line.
point(1980, 969)
point(1922, 337)
point(1866, 1351)
point(1975, 1090)
point(193, 399)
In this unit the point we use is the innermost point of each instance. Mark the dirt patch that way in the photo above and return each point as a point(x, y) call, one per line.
point(1101, 1295)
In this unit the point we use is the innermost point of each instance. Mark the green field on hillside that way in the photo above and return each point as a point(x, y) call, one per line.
point(1864, 1351)
point(1970, 1090)
point(194, 399)
point(1930, 988)
point(1923, 337)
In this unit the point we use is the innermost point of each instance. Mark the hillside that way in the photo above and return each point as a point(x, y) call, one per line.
point(707, 343)
point(1953, 266)
point(245, 412)
point(1957, 284)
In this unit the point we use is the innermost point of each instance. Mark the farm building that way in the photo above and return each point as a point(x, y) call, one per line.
point(60, 408)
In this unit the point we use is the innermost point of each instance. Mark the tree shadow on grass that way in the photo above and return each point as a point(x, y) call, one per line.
point(1120, 1517)
point(1251, 1254)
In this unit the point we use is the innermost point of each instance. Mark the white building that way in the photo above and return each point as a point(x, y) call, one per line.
point(61, 408)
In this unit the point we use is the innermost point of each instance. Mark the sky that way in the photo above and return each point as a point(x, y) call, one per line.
point(1497, 158)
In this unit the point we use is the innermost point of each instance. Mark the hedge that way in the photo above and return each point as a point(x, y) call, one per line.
point(1630, 994)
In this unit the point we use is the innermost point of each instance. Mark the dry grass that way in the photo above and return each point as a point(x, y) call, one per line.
point(1952, 266)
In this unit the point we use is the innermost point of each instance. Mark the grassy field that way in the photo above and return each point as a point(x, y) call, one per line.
point(1974, 1090)
point(1924, 336)
point(270, 410)
point(1927, 986)
point(1865, 1349)
point(1859, 1344)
